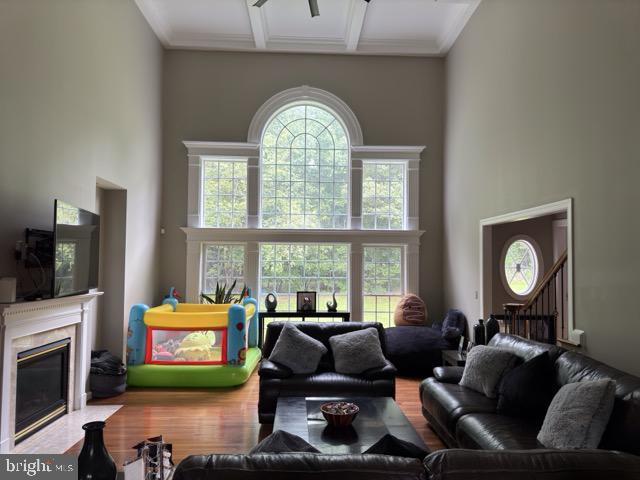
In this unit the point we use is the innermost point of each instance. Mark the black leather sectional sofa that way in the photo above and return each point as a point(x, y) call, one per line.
point(440, 465)
point(467, 419)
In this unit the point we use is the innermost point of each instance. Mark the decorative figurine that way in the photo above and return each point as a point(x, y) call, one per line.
point(271, 302)
point(332, 306)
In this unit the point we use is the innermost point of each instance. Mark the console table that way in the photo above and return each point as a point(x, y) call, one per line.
point(345, 316)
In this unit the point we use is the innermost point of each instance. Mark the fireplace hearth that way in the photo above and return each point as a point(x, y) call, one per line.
point(42, 387)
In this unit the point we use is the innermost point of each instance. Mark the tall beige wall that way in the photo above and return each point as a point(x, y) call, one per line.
point(213, 96)
point(80, 98)
point(543, 104)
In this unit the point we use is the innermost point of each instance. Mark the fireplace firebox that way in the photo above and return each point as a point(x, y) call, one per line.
point(42, 387)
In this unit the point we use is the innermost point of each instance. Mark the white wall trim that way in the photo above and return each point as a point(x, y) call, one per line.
point(305, 93)
point(575, 335)
point(387, 152)
point(302, 235)
point(234, 149)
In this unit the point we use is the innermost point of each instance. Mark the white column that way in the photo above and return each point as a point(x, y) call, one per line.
point(194, 252)
point(253, 192)
point(355, 281)
point(413, 194)
point(412, 262)
point(194, 205)
point(356, 194)
point(252, 267)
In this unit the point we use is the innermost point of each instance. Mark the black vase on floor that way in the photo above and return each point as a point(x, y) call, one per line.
point(478, 333)
point(492, 327)
point(94, 462)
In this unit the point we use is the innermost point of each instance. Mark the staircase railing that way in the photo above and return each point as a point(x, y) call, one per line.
point(543, 317)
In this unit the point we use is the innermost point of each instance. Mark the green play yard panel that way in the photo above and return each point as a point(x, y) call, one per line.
point(193, 375)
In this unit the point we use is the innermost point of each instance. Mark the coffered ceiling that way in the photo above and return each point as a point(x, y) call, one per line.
point(387, 27)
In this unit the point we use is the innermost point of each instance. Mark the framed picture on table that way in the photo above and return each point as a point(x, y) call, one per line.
point(306, 301)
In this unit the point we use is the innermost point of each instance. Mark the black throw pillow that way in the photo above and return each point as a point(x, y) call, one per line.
point(527, 390)
point(390, 445)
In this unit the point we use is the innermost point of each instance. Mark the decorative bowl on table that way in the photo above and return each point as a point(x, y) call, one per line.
point(339, 414)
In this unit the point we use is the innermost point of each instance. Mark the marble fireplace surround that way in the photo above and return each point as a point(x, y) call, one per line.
point(31, 324)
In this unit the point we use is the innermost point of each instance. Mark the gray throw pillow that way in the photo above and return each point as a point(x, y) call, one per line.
point(283, 442)
point(485, 367)
point(297, 350)
point(355, 352)
point(578, 415)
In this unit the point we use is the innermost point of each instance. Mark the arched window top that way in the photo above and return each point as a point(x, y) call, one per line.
point(305, 95)
point(305, 126)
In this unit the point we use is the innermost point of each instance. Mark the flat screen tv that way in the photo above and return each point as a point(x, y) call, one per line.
point(76, 250)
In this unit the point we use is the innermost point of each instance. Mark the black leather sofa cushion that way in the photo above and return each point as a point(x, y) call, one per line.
point(386, 372)
point(448, 374)
point(269, 369)
point(532, 465)
point(623, 429)
point(299, 466)
point(447, 402)
point(524, 348)
point(489, 431)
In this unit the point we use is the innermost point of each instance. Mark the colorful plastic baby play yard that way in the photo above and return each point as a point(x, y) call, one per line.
point(192, 345)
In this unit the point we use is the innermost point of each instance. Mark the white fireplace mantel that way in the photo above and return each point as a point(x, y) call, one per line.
point(30, 318)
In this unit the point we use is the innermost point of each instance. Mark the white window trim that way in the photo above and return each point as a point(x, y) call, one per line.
point(253, 235)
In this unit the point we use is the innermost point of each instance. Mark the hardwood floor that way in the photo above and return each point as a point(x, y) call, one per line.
point(213, 420)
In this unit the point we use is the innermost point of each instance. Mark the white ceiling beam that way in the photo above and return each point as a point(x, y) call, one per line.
point(257, 25)
point(357, 14)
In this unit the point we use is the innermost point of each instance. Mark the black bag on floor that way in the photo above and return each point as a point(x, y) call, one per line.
point(108, 375)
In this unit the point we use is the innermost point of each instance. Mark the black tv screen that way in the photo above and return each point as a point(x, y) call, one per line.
point(77, 250)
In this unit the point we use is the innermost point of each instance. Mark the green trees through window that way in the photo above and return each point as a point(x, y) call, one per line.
point(383, 283)
point(288, 268)
point(383, 195)
point(305, 170)
point(224, 193)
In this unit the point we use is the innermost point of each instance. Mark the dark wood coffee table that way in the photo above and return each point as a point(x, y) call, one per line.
point(377, 417)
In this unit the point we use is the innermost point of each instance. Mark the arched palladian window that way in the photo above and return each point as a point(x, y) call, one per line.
point(305, 169)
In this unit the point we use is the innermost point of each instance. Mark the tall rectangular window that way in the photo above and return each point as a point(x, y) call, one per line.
point(305, 170)
point(286, 268)
point(224, 193)
point(224, 264)
point(383, 283)
point(383, 195)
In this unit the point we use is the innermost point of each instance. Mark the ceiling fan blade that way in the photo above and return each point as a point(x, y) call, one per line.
point(313, 6)
point(259, 3)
